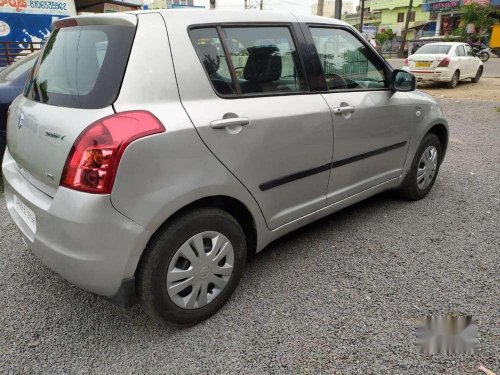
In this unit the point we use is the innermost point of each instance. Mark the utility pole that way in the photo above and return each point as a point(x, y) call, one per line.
point(405, 31)
point(362, 16)
point(338, 9)
point(321, 5)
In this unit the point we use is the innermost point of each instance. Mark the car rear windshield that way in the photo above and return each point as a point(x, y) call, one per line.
point(433, 49)
point(81, 66)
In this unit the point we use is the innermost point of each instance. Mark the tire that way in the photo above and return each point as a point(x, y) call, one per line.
point(478, 75)
point(484, 56)
point(454, 80)
point(156, 265)
point(411, 189)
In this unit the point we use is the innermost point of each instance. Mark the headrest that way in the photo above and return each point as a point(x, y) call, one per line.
point(209, 57)
point(263, 64)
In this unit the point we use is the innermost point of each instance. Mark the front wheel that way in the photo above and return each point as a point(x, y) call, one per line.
point(191, 267)
point(484, 56)
point(424, 169)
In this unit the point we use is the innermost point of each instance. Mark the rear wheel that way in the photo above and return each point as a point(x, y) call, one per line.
point(454, 80)
point(478, 75)
point(191, 267)
point(424, 169)
point(484, 56)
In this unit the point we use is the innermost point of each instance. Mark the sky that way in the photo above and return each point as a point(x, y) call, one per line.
point(297, 6)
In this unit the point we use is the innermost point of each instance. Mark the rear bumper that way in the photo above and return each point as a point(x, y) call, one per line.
point(437, 75)
point(80, 236)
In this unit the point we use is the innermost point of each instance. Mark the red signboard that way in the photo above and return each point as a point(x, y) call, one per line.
point(480, 2)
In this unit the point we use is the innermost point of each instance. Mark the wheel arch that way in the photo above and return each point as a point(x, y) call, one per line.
point(441, 132)
point(232, 206)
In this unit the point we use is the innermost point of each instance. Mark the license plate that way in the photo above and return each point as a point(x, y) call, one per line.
point(26, 213)
point(423, 64)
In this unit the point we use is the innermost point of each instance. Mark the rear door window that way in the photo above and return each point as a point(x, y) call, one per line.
point(469, 51)
point(81, 66)
point(260, 61)
point(211, 54)
point(265, 60)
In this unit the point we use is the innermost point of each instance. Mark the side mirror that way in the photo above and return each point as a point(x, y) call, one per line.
point(403, 80)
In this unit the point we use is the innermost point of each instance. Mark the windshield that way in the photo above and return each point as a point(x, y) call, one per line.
point(81, 66)
point(17, 69)
point(433, 49)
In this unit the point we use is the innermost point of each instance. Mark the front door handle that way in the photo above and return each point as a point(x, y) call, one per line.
point(344, 109)
point(224, 123)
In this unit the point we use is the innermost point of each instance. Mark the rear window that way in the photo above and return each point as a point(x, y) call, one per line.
point(81, 66)
point(433, 49)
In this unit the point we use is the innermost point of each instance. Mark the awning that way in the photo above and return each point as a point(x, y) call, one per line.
point(87, 3)
point(421, 26)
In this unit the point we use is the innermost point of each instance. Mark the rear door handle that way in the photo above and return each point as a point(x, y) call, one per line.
point(344, 109)
point(224, 123)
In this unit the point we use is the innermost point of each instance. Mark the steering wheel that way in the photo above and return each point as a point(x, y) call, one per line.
point(335, 81)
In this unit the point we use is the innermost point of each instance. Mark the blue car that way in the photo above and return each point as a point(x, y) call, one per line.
point(12, 81)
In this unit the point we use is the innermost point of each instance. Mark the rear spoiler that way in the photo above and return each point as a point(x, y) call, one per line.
point(118, 19)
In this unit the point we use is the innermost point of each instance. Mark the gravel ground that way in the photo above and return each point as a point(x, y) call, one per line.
point(339, 296)
point(487, 89)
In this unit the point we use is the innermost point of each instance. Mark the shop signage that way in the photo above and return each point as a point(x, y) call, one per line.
point(26, 21)
point(442, 6)
point(480, 2)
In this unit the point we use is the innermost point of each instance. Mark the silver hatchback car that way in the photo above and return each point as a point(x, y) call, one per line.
point(151, 152)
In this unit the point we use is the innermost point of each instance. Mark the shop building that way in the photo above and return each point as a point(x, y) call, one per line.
point(393, 14)
point(446, 15)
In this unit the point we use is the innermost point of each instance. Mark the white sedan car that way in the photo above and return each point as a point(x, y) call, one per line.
point(445, 62)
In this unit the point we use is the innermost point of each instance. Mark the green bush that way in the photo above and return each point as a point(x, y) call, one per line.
point(385, 36)
point(479, 15)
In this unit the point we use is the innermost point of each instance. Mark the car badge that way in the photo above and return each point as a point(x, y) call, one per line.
point(20, 121)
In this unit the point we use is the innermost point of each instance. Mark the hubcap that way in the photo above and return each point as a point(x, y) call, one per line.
point(427, 167)
point(200, 270)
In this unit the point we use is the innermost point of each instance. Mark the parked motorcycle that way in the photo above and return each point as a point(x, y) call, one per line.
point(483, 52)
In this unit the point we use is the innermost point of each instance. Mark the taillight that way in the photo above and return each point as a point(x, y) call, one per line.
point(405, 63)
point(444, 63)
point(93, 160)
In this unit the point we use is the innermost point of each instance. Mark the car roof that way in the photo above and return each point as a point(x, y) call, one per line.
point(445, 43)
point(202, 16)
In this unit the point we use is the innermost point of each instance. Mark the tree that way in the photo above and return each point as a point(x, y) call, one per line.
point(385, 36)
point(479, 16)
point(405, 30)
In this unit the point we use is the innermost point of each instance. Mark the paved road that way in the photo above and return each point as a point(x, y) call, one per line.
point(491, 67)
point(339, 296)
